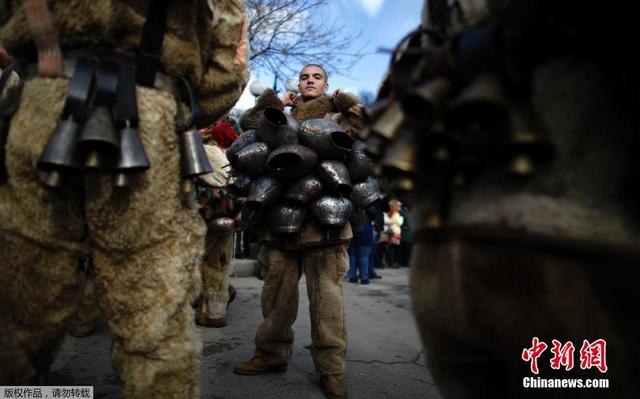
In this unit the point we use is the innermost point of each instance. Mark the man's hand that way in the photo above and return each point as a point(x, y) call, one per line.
point(289, 99)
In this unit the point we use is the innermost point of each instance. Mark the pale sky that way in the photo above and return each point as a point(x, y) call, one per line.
point(382, 23)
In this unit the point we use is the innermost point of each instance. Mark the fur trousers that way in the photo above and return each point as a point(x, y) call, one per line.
point(324, 269)
point(215, 276)
point(145, 242)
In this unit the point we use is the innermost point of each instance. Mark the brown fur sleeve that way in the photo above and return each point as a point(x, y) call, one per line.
point(351, 113)
point(268, 99)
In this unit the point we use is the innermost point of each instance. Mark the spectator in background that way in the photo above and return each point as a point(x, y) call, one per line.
point(392, 230)
point(406, 238)
point(375, 215)
point(359, 252)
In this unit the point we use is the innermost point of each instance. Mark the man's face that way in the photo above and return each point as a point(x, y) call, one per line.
point(312, 82)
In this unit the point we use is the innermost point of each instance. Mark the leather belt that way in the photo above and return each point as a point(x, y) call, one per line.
point(161, 82)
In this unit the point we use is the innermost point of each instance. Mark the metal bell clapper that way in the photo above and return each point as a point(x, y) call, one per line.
point(526, 144)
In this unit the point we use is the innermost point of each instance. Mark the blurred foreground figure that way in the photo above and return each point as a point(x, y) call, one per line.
point(514, 127)
point(100, 101)
point(219, 214)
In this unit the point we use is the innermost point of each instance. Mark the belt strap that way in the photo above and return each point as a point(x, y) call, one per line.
point(80, 89)
point(148, 57)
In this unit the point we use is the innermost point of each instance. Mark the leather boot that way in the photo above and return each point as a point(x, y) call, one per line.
point(334, 386)
point(257, 366)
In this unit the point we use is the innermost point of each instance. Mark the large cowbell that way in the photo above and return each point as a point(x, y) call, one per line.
point(251, 159)
point(326, 138)
point(98, 142)
point(287, 217)
point(335, 177)
point(60, 154)
point(132, 156)
point(303, 190)
point(291, 161)
point(194, 161)
point(264, 191)
point(246, 138)
point(359, 163)
point(277, 128)
point(332, 212)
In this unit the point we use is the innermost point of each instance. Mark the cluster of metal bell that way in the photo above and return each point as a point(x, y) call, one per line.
point(432, 137)
point(92, 144)
point(290, 172)
point(98, 145)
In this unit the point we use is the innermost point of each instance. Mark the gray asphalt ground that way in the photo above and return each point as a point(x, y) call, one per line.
point(384, 355)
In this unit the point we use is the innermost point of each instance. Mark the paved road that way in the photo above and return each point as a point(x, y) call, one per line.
point(384, 355)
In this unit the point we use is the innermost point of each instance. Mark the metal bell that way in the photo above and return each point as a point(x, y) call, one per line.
point(422, 102)
point(335, 177)
point(193, 157)
point(384, 129)
point(360, 164)
point(99, 140)
point(277, 128)
point(365, 193)
point(221, 226)
point(325, 137)
point(526, 145)
point(402, 155)
point(304, 189)
point(246, 138)
point(287, 217)
point(332, 212)
point(251, 159)
point(264, 191)
point(240, 186)
point(291, 161)
point(133, 158)
point(60, 154)
point(480, 110)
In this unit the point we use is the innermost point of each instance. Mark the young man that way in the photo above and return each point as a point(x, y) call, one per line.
point(323, 260)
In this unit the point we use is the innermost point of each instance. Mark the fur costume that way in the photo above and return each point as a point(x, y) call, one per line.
point(145, 241)
point(553, 254)
point(323, 260)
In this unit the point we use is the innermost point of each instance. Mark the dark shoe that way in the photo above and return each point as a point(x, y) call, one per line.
point(334, 386)
point(365, 282)
point(216, 322)
point(257, 366)
point(374, 276)
point(82, 330)
point(353, 280)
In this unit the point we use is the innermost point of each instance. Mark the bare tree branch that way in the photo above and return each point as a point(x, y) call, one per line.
point(284, 34)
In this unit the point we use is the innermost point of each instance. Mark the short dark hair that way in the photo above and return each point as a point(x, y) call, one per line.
point(326, 75)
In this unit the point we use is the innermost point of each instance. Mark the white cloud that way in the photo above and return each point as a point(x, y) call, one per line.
point(371, 7)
